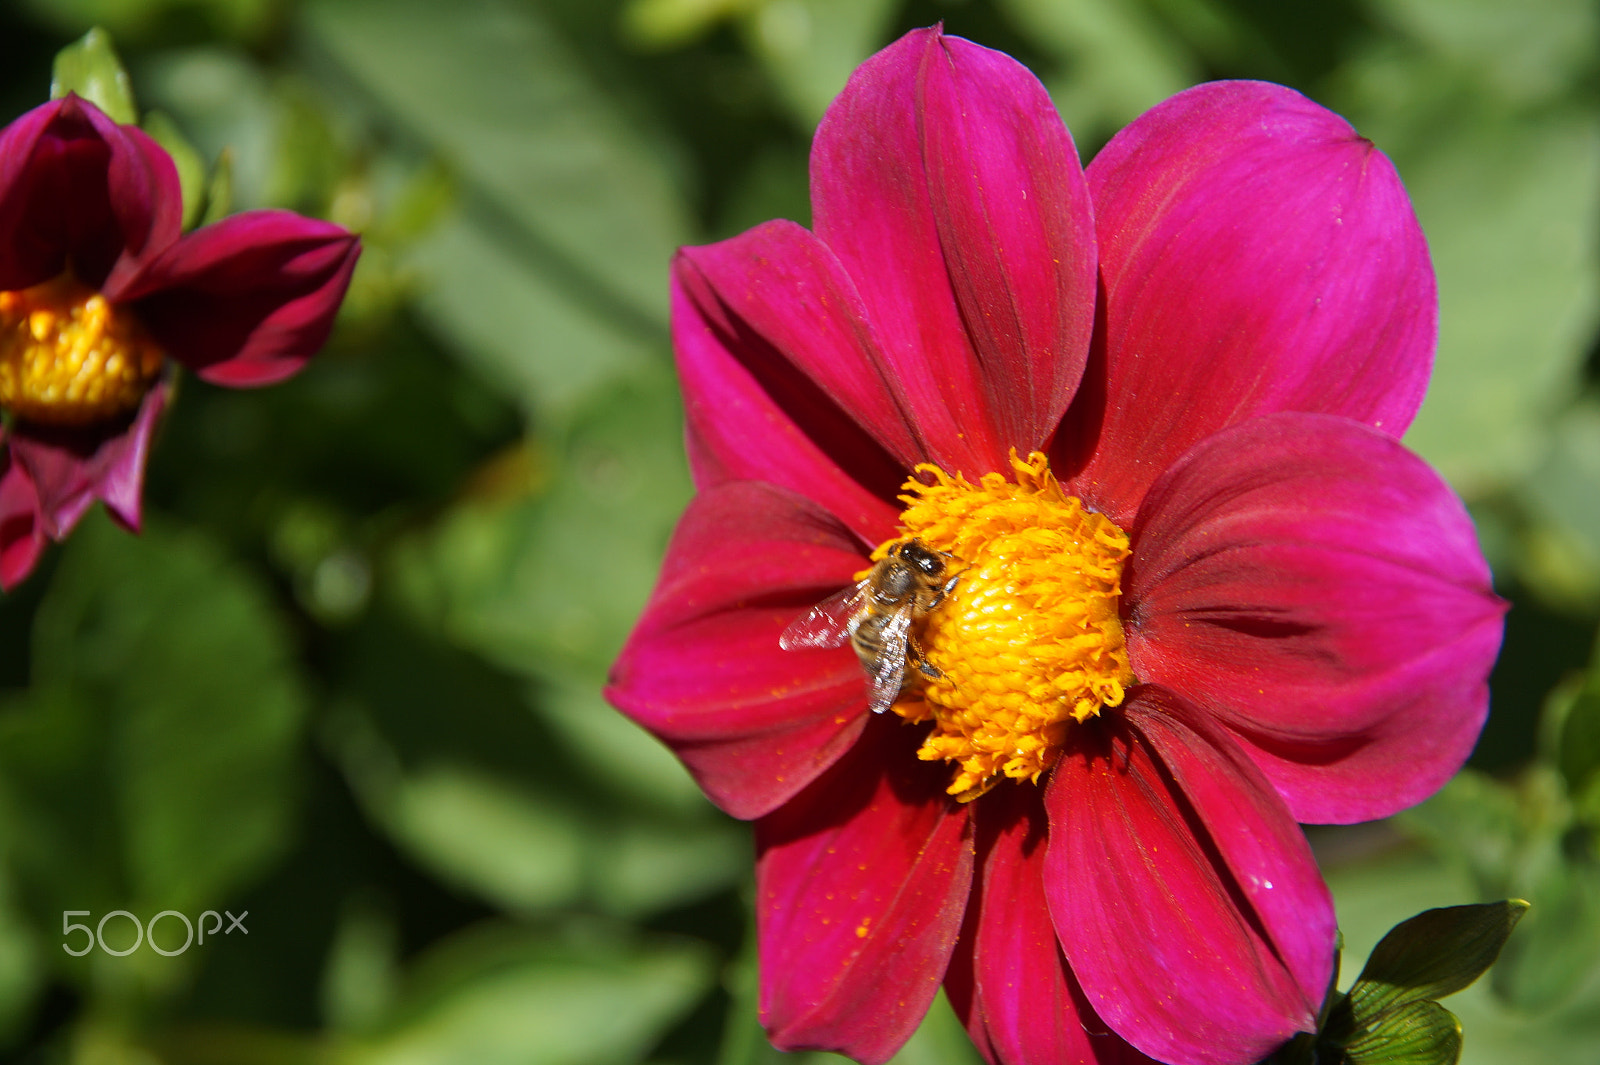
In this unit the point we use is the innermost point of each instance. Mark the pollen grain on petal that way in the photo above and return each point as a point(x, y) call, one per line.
point(1029, 641)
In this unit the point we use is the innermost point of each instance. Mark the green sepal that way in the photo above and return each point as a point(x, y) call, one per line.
point(1417, 1033)
point(1436, 953)
point(219, 190)
point(191, 168)
point(1579, 753)
point(89, 67)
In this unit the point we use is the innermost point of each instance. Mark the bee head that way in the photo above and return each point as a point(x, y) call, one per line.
point(926, 560)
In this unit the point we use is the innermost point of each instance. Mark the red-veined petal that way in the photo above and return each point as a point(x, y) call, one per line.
point(861, 880)
point(70, 467)
point(703, 670)
point(781, 376)
point(1185, 896)
point(1009, 981)
point(1318, 588)
point(78, 189)
point(247, 300)
point(944, 180)
point(22, 536)
point(1258, 256)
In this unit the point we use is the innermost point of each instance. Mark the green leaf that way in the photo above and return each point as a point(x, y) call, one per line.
point(89, 67)
point(139, 19)
point(219, 190)
point(1507, 201)
point(1374, 893)
point(663, 24)
point(645, 867)
point(1417, 1033)
point(156, 752)
point(308, 157)
point(810, 47)
point(1557, 948)
point(1434, 954)
point(55, 801)
point(491, 87)
point(191, 168)
point(550, 584)
point(493, 803)
point(1529, 50)
point(518, 329)
point(360, 978)
point(21, 974)
point(1579, 751)
point(1475, 820)
point(225, 103)
point(1511, 838)
point(503, 997)
point(615, 749)
point(1559, 556)
point(1118, 61)
point(466, 796)
point(487, 835)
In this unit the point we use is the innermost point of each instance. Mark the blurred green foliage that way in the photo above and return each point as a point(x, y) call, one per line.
point(348, 679)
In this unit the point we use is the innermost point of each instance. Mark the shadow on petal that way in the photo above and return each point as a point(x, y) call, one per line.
point(861, 882)
point(1185, 896)
point(1320, 590)
point(22, 536)
point(754, 723)
point(248, 300)
point(1009, 980)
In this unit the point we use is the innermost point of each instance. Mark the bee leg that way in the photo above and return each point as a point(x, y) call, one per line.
point(949, 586)
point(918, 659)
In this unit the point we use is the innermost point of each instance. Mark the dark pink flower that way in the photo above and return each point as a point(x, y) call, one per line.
point(1208, 346)
point(98, 290)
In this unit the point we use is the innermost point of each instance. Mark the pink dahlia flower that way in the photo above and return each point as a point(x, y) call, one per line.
point(98, 290)
point(1150, 415)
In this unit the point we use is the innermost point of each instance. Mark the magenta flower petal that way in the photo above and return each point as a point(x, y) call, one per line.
point(146, 197)
point(1320, 589)
point(121, 470)
point(248, 300)
point(769, 329)
point(943, 179)
point(703, 670)
point(22, 536)
point(1257, 256)
point(76, 187)
point(1024, 1006)
point(30, 257)
point(860, 884)
point(1186, 898)
point(71, 468)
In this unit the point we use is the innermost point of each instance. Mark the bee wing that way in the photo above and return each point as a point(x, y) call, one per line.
point(888, 669)
point(825, 625)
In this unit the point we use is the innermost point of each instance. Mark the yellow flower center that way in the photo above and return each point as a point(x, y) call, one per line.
point(69, 357)
point(1028, 642)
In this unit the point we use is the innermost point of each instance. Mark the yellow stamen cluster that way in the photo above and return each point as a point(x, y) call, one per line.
point(69, 357)
point(1029, 640)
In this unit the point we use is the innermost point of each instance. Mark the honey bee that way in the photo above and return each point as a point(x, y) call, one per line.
point(876, 614)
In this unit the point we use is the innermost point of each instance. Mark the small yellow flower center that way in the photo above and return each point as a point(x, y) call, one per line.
point(69, 357)
point(1028, 642)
